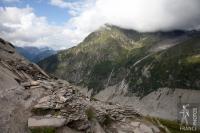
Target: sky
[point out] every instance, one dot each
(61, 24)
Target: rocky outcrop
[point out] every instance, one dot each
(67, 106)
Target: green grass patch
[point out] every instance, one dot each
(94, 99)
(193, 59)
(107, 121)
(90, 112)
(174, 126)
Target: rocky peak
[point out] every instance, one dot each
(107, 32)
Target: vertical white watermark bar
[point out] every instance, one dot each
(188, 116)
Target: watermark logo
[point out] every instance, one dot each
(188, 116)
(185, 114)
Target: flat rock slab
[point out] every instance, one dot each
(36, 122)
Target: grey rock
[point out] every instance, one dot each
(135, 124)
(145, 129)
(45, 122)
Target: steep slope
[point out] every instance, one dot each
(35, 54)
(31, 101)
(146, 61)
(15, 100)
(175, 67)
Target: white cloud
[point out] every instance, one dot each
(74, 7)
(24, 28)
(63, 4)
(141, 15)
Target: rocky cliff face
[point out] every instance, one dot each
(31, 101)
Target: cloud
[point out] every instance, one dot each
(75, 7)
(141, 15)
(22, 27)
(63, 4)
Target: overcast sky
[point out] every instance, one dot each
(64, 23)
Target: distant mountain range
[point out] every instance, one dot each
(35, 54)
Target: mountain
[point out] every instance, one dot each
(145, 61)
(35, 54)
(151, 72)
(33, 102)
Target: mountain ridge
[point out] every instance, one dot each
(120, 51)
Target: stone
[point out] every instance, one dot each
(97, 128)
(26, 84)
(44, 103)
(44, 99)
(27, 96)
(34, 83)
(45, 122)
(135, 124)
(63, 99)
(138, 130)
(155, 129)
(48, 87)
(145, 128)
(58, 106)
(35, 87)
